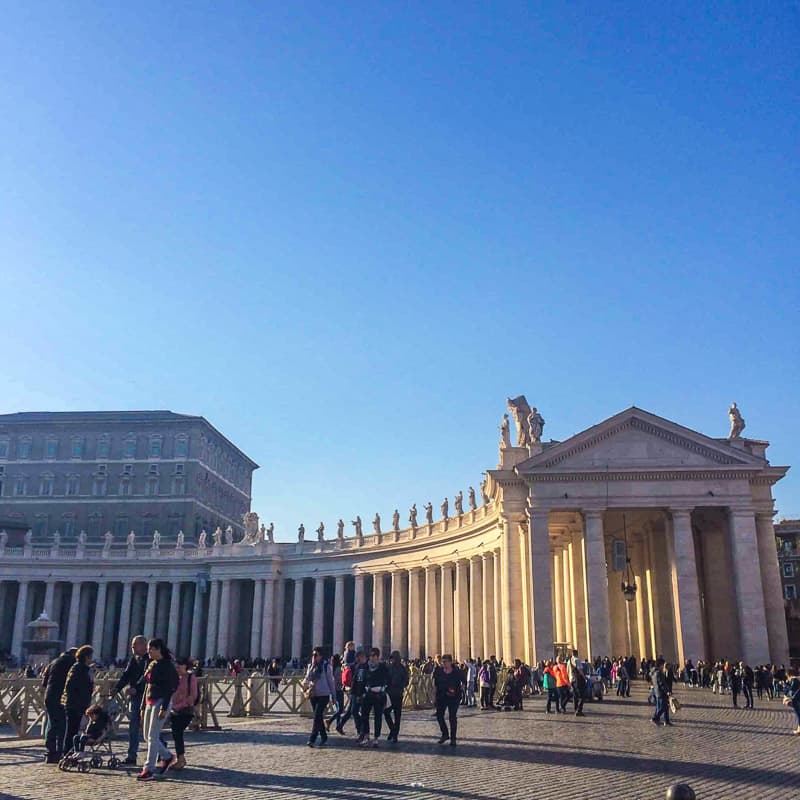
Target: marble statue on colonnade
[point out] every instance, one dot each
(412, 515)
(156, 540)
(396, 521)
(519, 408)
(429, 512)
(250, 521)
(82, 538)
(535, 426)
(179, 541)
(458, 502)
(130, 540)
(28, 537)
(271, 533)
(358, 526)
(471, 498)
(737, 422)
(3, 540)
(340, 530)
(505, 435)
(217, 537)
(108, 540)
(321, 532)
(484, 494)
(201, 540)
(445, 508)
(301, 533)
(57, 539)
(376, 524)
(229, 535)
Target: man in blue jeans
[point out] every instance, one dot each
(133, 677)
(661, 693)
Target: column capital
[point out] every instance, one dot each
(539, 514)
(763, 513)
(415, 570)
(592, 513)
(681, 512)
(741, 511)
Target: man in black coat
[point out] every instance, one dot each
(53, 680)
(133, 677)
(662, 691)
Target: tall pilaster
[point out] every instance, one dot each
(267, 620)
(597, 585)
(447, 620)
(318, 622)
(461, 602)
(255, 625)
(498, 604)
(99, 619)
(213, 620)
(197, 622)
(223, 627)
(358, 609)
(541, 583)
(512, 604)
(49, 593)
(558, 596)
(432, 614)
(773, 589)
(569, 610)
(297, 620)
(414, 612)
(124, 620)
(749, 588)
(338, 614)
(174, 614)
(20, 619)
(378, 612)
(74, 615)
(579, 591)
(487, 604)
(150, 609)
(398, 618)
(475, 611)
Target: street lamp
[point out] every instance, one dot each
(628, 584)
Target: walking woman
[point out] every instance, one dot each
(319, 682)
(448, 681)
(184, 700)
(793, 697)
(336, 669)
(398, 680)
(161, 681)
(77, 695)
(376, 680)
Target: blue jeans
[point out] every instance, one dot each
(662, 709)
(134, 720)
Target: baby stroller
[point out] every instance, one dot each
(510, 697)
(95, 754)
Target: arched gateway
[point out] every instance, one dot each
(636, 499)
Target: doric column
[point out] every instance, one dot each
(475, 602)
(541, 583)
(597, 585)
(378, 612)
(197, 622)
(223, 626)
(213, 621)
(124, 620)
(461, 610)
(569, 608)
(398, 618)
(174, 614)
(414, 609)
(74, 615)
(642, 626)
(749, 588)
(579, 591)
(267, 647)
(99, 619)
(498, 604)
(255, 625)
(685, 588)
(297, 620)
(338, 614)
(358, 610)
(278, 623)
(150, 610)
(446, 627)
(49, 592)
(558, 595)
(512, 602)
(318, 622)
(20, 619)
(487, 604)
(773, 589)
(432, 614)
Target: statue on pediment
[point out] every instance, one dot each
(737, 422)
(471, 498)
(535, 426)
(179, 541)
(301, 533)
(130, 540)
(28, 538)
(484, 494)
(376, 524)
(396, 521)
(201, 540)
(321, 532)
(458, 502)
(217, 537)
(250, 522)
(356, 523)
(340, 530)
(519, 408)
(82, 539)
(505, 433)
(412, 516)
(229, 535)
(108, 538)
(156, 540)
(445, 509)
(271, 533)
(429, 512)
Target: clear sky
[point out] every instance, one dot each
(345, 232)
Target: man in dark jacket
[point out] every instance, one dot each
(77, 694)
(133, 677)
(661, 691)
(55, 676)
(398, 680)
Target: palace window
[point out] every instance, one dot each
(129, 450)
(121, 527)
(179, 469)
(46, 486)
(125, 488)
(181, 447)
(69, 527)
(76, 448)
(99, 487)
(788, 570)
(40, 526)
(178, 486)
(103, 447)
(127, 469)
(3, 448)
(153, 470)
(618, 555)
(73, 485)
(20, 486)
(24, 448)
(155, 447)
(152, 487)
(790, 592)
(51, 448)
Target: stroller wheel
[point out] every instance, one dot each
(113, 762)
(62, 765)
(96, 761)
(83, 766)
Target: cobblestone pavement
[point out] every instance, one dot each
(613, 752)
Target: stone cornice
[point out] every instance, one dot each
(701, 474)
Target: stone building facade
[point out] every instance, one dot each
(787, 533)
(119, 471)
(539, 562)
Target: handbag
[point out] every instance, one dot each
(674, 705)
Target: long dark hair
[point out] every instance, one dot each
(159, 644)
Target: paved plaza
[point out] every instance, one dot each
(613, 752)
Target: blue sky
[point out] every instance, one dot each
(345, 235)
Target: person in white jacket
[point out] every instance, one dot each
(321, 687)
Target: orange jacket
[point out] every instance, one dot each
(562, 679)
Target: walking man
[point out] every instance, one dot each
(662, 694)
(133, 677)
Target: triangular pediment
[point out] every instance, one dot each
(636, 439)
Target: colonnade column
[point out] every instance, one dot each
(174, 614)
(446, 608)
(197, 622)
(498, 605)
(541, 594)
(278, 617)
(596, 585)
(569, 613)
(338, 615)
(461, 611)
(432, 640)
(749, 588)
(398, 619)
(378, 612)
(124, 620)
(513, 624)
(255, 625)
(414, 608)
(318, 620)
(475, 599)
(773, 590)
(223, 627)
(267, 619)
(297, 620)
(213, 620)
(49, 592)
(487, 599)
(20, 619)
(558, 596)
(99, 618)
(150, 609)
(358, 610)
(74, 615)
(579, 591)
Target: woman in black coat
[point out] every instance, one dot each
(77, 696)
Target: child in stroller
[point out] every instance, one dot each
(511, 695)
(97, 737)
